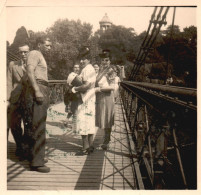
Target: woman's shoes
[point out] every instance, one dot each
(91, 149)
(105, 146)
(83, 152)
(87, 151)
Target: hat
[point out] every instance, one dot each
(84, 52)
(105, 53)
(71, 77)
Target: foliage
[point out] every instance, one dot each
(180, 49)
(21, 37)
(120, 41)
(68, 36)
(174, 52)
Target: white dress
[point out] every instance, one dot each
(85, 116)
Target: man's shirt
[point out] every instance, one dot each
(35, 58)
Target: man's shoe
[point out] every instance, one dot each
(41, 169)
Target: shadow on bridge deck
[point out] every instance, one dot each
(102, 170)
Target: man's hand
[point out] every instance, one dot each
(39, 97)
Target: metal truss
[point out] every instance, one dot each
(156, 119)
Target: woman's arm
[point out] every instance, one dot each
(107, 89)
(84, 87)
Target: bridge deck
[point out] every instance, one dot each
(102, 170)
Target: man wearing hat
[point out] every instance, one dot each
(86, 111)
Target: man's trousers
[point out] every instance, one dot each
(35, 119)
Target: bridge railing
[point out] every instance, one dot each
(163, 124)
(57, 90)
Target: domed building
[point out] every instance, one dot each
(105, 23)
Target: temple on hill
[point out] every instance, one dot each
(105, 23)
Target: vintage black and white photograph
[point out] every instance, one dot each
(101, 97)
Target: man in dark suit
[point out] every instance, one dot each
(15, 79)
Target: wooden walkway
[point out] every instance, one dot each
(102, 170)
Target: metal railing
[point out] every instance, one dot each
(57, 90)
(163, 123)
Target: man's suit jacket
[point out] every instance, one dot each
(14, 81)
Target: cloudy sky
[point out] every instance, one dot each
(40, 18)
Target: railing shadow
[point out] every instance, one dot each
(12, 170)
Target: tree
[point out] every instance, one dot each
(20, 37)
(175, 30)
(68, 37)
(181, 52)
(120, 41)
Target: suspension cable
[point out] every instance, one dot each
(171, 35)
(156, 31)
(146, 45)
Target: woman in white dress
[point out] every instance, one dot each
(85, 117)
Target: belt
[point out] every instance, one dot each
(42, 82)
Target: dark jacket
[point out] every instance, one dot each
(15, 80)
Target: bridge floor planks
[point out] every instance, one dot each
(101, 170)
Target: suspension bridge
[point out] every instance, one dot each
(154, 139)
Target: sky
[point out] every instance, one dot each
(40, 18)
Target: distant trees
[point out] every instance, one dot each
(174, 52)
(68, 36)
(120, 41)
(21, 37)
(123, 43)
(181, 51)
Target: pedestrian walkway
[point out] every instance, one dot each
(102, 170)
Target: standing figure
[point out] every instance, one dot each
(71, 105)
(85, 121)
(37, 102)
(15, 97)
(105, 98)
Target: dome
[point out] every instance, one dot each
(105, 19)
